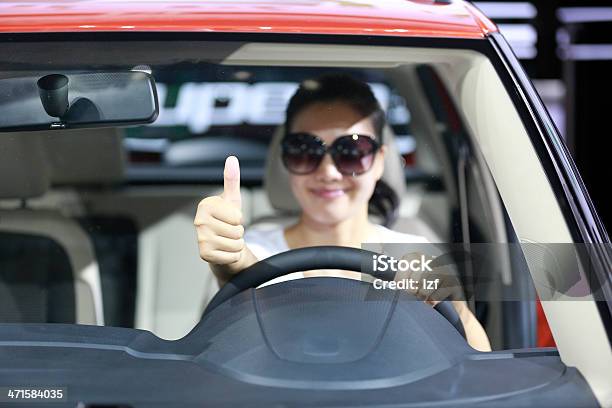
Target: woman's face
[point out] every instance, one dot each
(326, 195)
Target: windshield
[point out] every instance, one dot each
(98, 224)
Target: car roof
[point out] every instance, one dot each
(423, 18)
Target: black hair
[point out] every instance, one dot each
(358, 95)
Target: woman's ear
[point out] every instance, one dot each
(379, 162)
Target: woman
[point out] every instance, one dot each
(334, 152)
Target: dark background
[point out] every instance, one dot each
(566, 48)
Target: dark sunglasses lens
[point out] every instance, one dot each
(302, 153)
(354, 154)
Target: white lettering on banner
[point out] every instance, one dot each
(268, 101)
(202, 105)
(181, 113)
(233, 97)
(196, 105)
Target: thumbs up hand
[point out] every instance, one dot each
(219, 228)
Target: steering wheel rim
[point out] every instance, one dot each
(317, 257)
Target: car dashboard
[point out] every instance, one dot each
(307, 342)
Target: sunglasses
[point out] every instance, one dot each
(302, 153)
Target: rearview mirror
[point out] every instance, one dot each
(77, 100)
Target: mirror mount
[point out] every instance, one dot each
(53, 91)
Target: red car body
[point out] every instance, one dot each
(423, 18)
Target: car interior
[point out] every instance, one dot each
(112, 209)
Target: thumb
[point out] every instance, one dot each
(231, 181)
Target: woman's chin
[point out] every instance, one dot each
(329, 216)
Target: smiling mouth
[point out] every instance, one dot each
(328, 192)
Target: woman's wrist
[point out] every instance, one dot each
(476, 335)
(224, 273)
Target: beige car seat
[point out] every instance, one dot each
(40, 243)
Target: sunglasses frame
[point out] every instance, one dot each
(329, 149)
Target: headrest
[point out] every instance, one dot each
(85, 156)
(276, 181)
(23, 169)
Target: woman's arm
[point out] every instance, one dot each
(474, 332)
(449, 287)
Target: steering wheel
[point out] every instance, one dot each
(318, 257)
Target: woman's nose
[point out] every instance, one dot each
(327, 170)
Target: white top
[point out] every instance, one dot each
(269, 239)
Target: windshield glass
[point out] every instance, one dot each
(97, 225)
